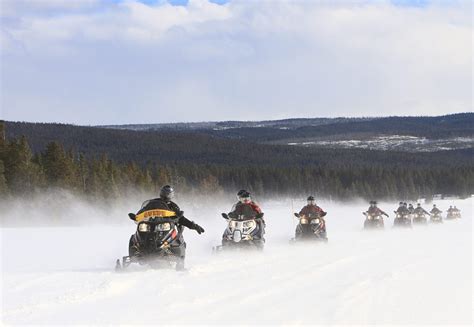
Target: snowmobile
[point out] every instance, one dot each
(436, 218)
(453, 215)
(420, 219)
(310, 227)
(401, 220)
(243, 232)
(373, 221)
(450, 215)
(157, 242)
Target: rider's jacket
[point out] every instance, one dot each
(247, 210)
(163, 204)
(435, 211)
(403, 210)
(310, 210)
(420, 211)
(375, 211)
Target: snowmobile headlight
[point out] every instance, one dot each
(143, 227)
(249, 224)
(303, 221)
(315, 221)
(233, 223)
(162, 227)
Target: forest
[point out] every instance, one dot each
(107, 163)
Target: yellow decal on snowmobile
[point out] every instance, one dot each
(159, 213)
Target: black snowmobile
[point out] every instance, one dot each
(157, 242)
(311, 227)
(243, 232)
(436, 218)
(373, 221)
(402, 220)
(420, 219)
(453, 215)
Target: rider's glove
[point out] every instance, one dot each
(198, 228)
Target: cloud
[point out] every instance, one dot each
(123, 62)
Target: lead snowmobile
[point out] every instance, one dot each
(243, 232)
(157, 242)
(402, 219)
(373, 221)
(310, 227)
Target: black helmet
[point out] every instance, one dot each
(243, 196)
(310, 198)
(167, 192)
(418, 205)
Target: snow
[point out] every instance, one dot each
(396, 142)
(64, 275)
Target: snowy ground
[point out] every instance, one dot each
(64, 275)
(395, 143)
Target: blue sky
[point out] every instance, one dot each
(95, 62)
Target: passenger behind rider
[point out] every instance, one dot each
(402, 209)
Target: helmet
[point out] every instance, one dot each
(400, 204)
(405, 204)
(167, 192)
(450, 207)
(434, 205)
(418, 205)
(243, 196)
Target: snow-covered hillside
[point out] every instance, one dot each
(64, 275)
(395, 143)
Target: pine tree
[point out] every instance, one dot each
(3, 181)
(59, 167)
(21, 173)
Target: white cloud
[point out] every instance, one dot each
(131, 62)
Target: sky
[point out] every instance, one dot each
(93, 62)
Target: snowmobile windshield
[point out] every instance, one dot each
(155, 214)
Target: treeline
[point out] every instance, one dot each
(131, 161)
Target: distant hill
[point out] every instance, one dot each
(461, 124)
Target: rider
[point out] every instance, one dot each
(374, 210)
(435, 210)
(402, 209)
(164, 202)
(420, 211)
(245, 207)
(311, 208)
(411, 209)
(450, 210)
(248, 209)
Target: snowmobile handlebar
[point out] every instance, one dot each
(257, 216)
